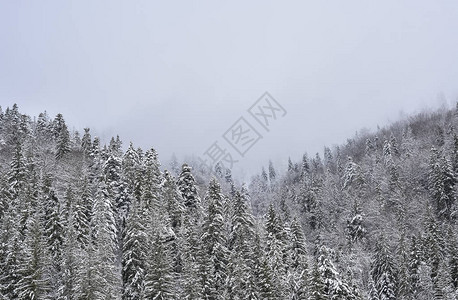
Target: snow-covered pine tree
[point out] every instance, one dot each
(115, 146)
(187, 187)
(159, 282)
(214, 237)
(135, 253)
(353, 175)
(17, 175)
(82, 212)
(317, 286)
(130, 167)
(355, 227)
(10, 255)
(151, 191)
(298, 271)
(383, 272)
(71, 257)
(34, 282)
(414, 263)
(86, 141)
(453, 257)
(172, 200)
(241, 283)
(267, 286)
(275, 240)
(115, 192)
(62, 136)
(333, 285)
(442, 183)
(272, 172)
(102, 276)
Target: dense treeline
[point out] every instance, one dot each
(372, 219)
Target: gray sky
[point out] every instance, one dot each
(177, 74)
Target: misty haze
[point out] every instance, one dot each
(228, 150)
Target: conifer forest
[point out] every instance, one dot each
(374, 218)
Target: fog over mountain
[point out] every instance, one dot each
(177, 75)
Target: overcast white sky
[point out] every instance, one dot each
(176, 74)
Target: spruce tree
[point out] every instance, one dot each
(214, 237)
(276, 249)
(272, 172)
(442, 185)
(453, 257)
(159, 281)
(17, 175)
(333, 286)
(298, 271)
(10, 255)
(86, 142)
(267, 286)
(130, 166)
(34, 282)
(102, 274)
(82, 211)
(353, 175)
(63, 142)
(53, 227)
(414, 267)
(134, 253)
(71, 257)
(317, 286)
(383, 272)
(172, 200)
(241, 283)
(151, 191)
(187, 187)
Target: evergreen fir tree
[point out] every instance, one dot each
(172, 200)
(63, 142)
(135, 251)
(317, 287)
(86, 142)
(383, 272)
(187, 187)
(453, 257)
(34, 281)
(333, 286)
(130, 165)
(355, 228)
(53, 227)
(10, 256)
(213, 237)
(241, 283)
(276, 249)
(71, 257)
(17, 175)
(305, 166)
(158, 282)
(353, 175)
(414, 267)
(442, 184)
(272, 172)
(298, 264)
(115, 146)
(83, 216)
(266, 283)
(102, 276)
(151, 192)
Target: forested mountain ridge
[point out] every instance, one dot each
(372, 219)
